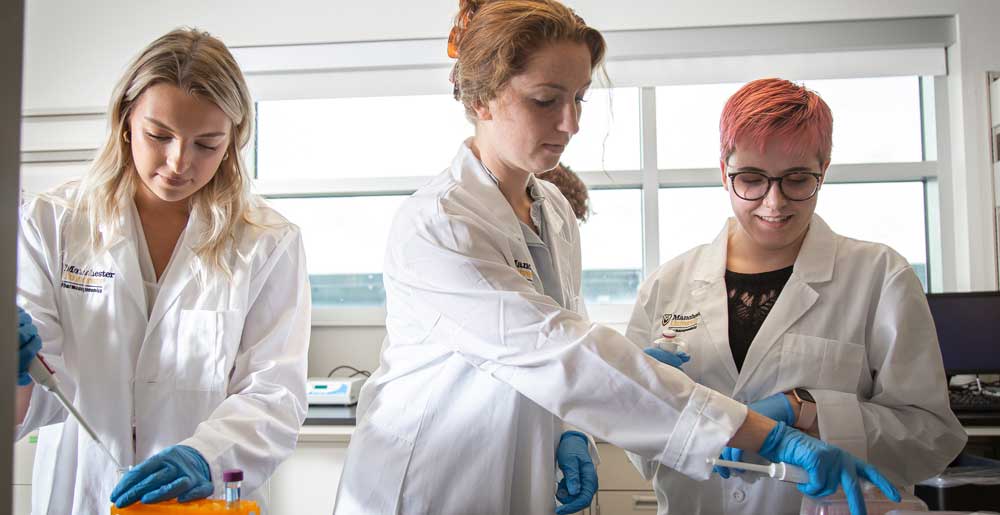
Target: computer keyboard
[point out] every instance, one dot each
(971, 400)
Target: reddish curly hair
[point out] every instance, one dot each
(572, 187)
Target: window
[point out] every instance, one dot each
(339, 151)
(345, 240)
(875, 120)
(358, 137)
(611, 243)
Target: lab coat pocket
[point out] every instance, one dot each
(203, 338)
(813, 362)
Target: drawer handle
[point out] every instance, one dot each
(643, 503)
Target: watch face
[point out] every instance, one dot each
(804, 395)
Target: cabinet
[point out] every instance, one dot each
(306, 483)
(24, 460)
(621, 490)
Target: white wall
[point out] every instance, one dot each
(104, 34)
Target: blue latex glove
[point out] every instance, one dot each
(579, 483)
(827, 465)
(28, 346)
(177, 471)
(667, 357)
(776, 407)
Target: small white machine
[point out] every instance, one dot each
(336, 391)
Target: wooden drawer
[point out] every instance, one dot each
(638, 502)
(616, 472)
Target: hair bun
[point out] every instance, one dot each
(466, 10)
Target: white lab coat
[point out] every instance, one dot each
(851, 325)
(479, 371)
(220, 365)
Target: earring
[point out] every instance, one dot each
(126, 137)
(225, 157)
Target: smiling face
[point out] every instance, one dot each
(534, 117)
(178, 141)
(773, 225)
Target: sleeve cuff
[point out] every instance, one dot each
(706, 425)
(840, 421)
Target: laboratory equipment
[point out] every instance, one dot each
(779, 471)
(42, 374)
(199, 507)
(232, 478)
(875, 503)
(968, 329)
(341, 391)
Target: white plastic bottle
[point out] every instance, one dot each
(671, 342)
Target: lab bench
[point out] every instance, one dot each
(306, 483)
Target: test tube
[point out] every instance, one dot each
(232, 478)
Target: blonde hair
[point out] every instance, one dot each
(492, 41)
(199, 65)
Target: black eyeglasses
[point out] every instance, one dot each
(797, 186)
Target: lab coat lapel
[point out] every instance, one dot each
(559, 244)
(125, 256)
(709, 296)
(814, 264)
(183, 269)
(486, 201)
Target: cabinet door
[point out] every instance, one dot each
(24, 459)
(616, 472)
(306, 483)
(22, 500)
(640, 502)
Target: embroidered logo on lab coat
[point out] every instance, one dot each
(681, 323)
(86, 280)
(525, 270)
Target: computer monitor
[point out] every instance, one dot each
(968, 330)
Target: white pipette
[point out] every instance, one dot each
(42, 374)
(779, 471)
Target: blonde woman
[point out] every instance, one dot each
(172, 304)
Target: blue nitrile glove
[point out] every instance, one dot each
(579, 483)
(776, 407)
(667, 357)
(827, 466)
(28, 345)
(177, 471)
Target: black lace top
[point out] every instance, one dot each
(751, 297)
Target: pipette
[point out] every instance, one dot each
(779, 471)
(40, 371)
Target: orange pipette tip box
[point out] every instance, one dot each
(199, 507)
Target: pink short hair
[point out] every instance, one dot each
(766, 108)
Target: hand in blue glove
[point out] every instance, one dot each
(827, 466)
(177, 471)
(28, 346)
(776, 407)
(674, 360)
(579, 483)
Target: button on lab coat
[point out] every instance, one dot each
(851, 325)
(479, 370)
(219, 365)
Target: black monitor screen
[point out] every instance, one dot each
(968, 329)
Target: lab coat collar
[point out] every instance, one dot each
(472, 174)
(814, 264)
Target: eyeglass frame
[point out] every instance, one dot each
(770, 180)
